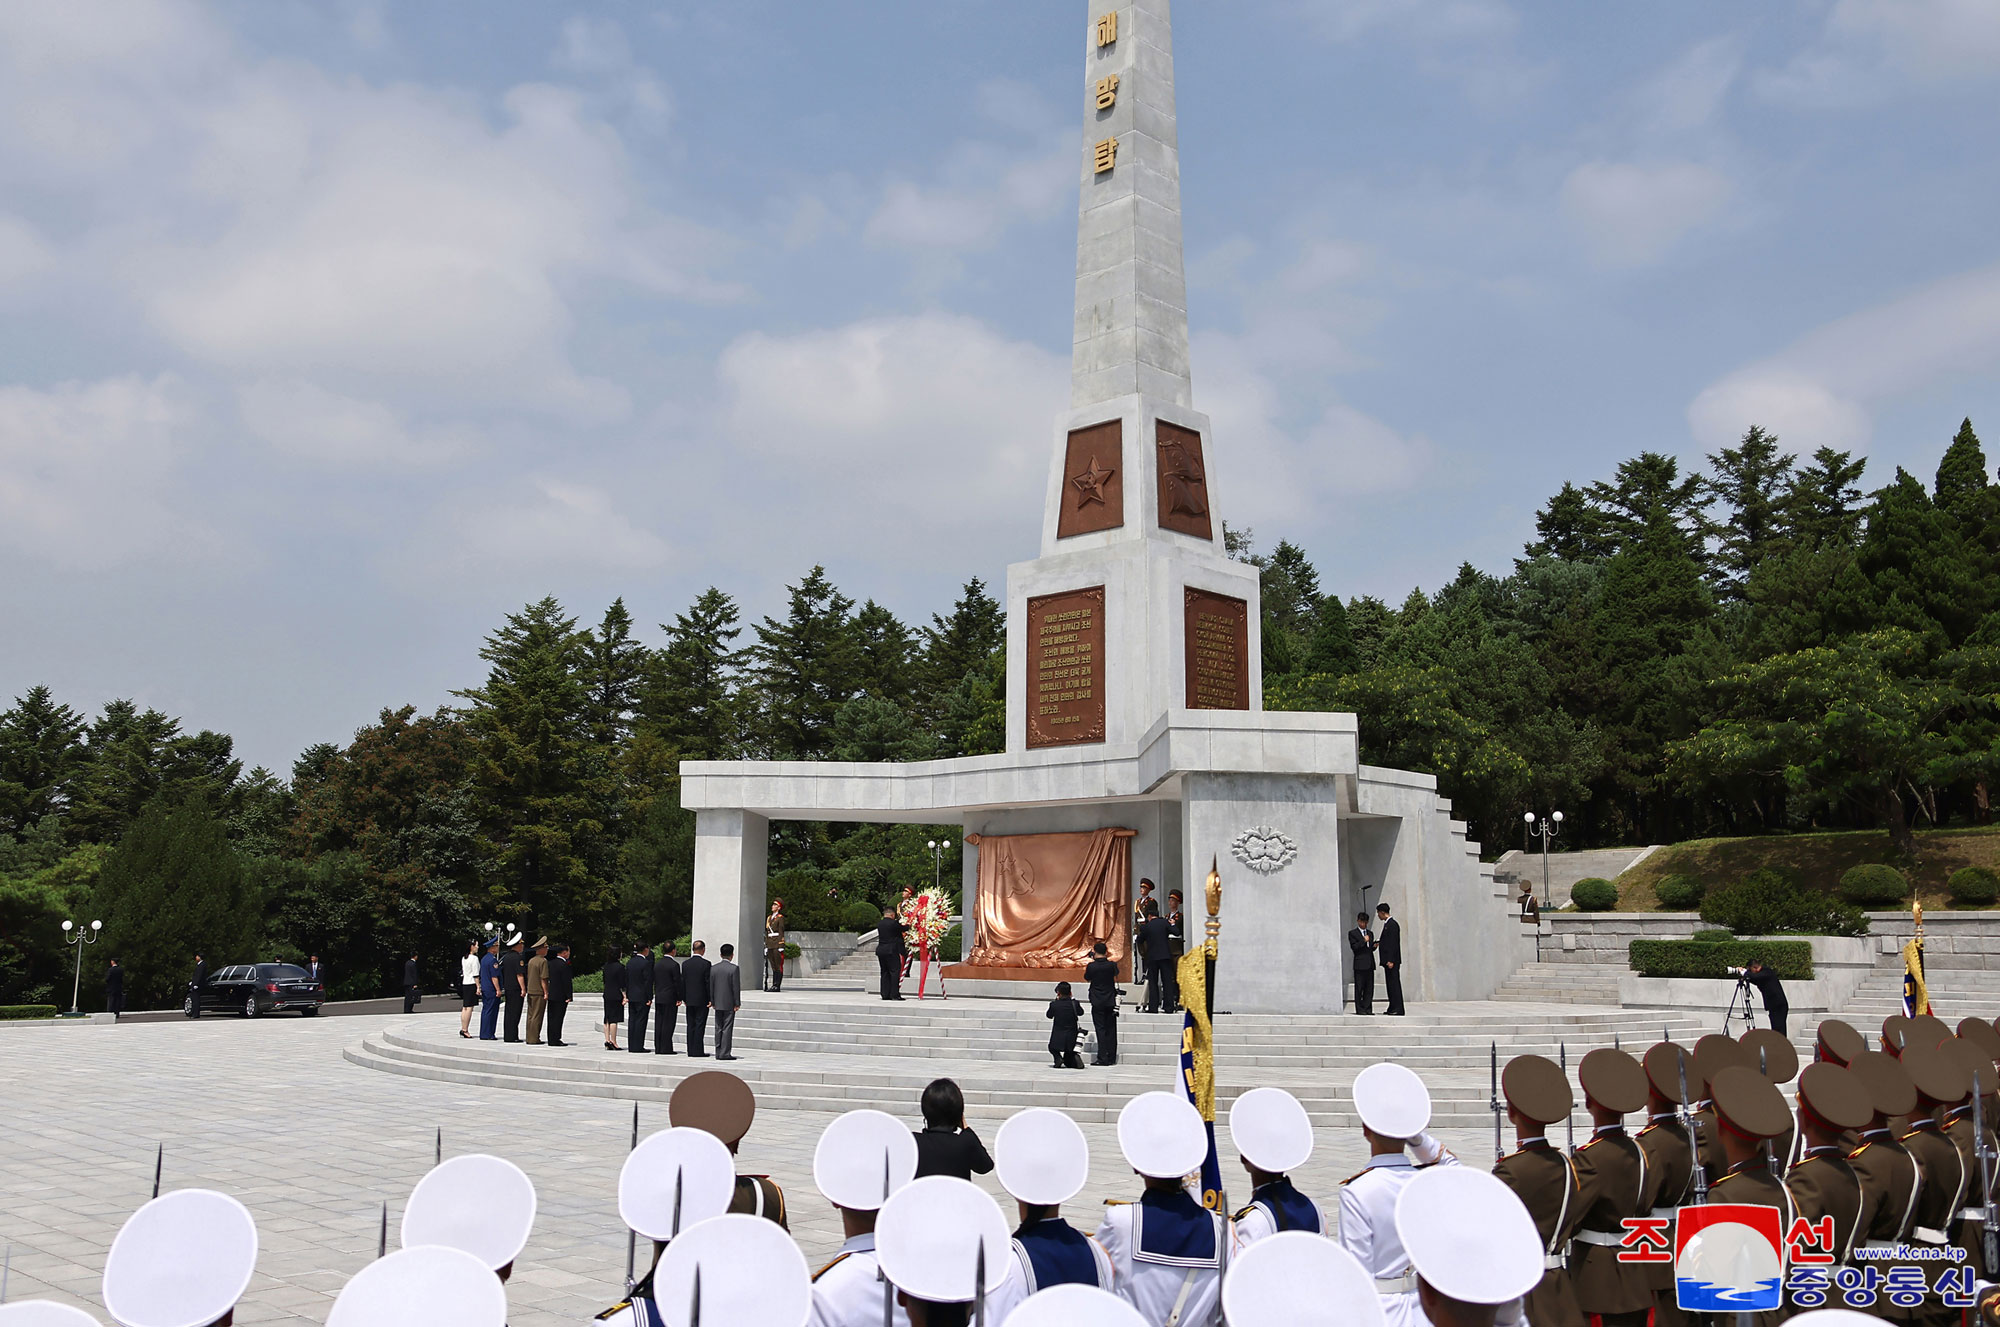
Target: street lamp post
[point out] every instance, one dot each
(79, 936)
(1544, 830)
(937, 862)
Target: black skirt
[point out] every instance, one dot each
(614, 1007)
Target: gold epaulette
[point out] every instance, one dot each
(1646, 1129)
(1356, 1175)
(1247, 1209)
(835, 1263)
(1117, 1202)
(1859, 1150)
(613, 1311)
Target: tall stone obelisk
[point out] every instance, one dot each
(1133, 610)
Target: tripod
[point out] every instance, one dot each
(1739, 1005)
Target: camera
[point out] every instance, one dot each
(1738, 972)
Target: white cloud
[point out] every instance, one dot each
(1817, 391)
(1466, 42)
(987, 191)
(599, 48)
(1869, 49)
(1631, 215)
(306, 420)
(543, 526)
(88, 474)
(1688, 94)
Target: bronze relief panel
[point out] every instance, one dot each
(1066, 668)
(1217, 637)
(1093, 496)
(1183, 481)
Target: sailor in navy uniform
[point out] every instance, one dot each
(1043, 1160)
(862, 1158)
(430, 1285)
(671, 1181)
(1395, 1110)
(1076, 1306)
(742, 1270)
(936, 1236)
(1273, 1135)
(185, 1257)
(482, 1204)
(1291, 1278)
(1475, 1248)
(1166, 1249)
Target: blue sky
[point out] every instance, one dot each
(334, 331)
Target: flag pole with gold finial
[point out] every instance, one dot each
(1916, 994)
(1197, 984)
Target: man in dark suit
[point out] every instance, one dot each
(1361, 943)
(1390, 950)
(562, 989)
(1155, 941)
(668, 992)
(1102, 975)
(114, 990)
(889, 954)
(638, 996)
(315, 969)
(410, 995)
(513, 986)
(200, 983)
(725, 997)
(694, 993)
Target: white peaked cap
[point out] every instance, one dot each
(1162, 1135)
(862, 1154)
(427, 1286)
(1837, 1318)
(1042, 1157)
(482, 1204)
(182, 1260)
(1298, 1279)
(1073, 1306)
(752, 1275)
(1468, 1235)
(1392, 1101)
(696, 1159)
(928, 1237)
(44, 1313)
(1271, 1130)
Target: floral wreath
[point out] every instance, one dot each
(927, 914)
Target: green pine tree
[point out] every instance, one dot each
(40, 749)
(1962, 480)
(1750, 482)
(173, 888)
(803, 670)
(689, 697)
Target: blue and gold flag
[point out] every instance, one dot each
(1198, 1041)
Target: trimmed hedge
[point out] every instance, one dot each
(951, 948)
(1872, 884)
(1714, 934)
(1974, 885)
(1770, 902)
(11, 1012)
(1680, 893)
(1594, 894)
(859, 916)
(1790, 959)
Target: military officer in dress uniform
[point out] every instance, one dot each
(182, 1260)
(429, 1286)
(1772, 1055)
(1293, 1279)
(1395, 1110)
(1941, 1083)
(862, 1158)
(743, 1271)
(1475, 1248)
(1968, 1226)
(1895, 1032)
(1749, 1112)
(1713, 1054)
(482, 1204)
(1888, 1175)
(1837, 1042)
(774, 945)
(1074, 1306)
(1611, 1173)
(1832, 1101)
(44, 1313)
(1669, 1150)
(1538, 1094)
(937, 1237)
(1043, 1161)
(1273, 1135)
(1166, 1249)
(671, 1182)
(720, 1103)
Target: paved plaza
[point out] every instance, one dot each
(271, 1112)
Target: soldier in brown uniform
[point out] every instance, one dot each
(774, 946)
(1832, 1101)
(1771, 1054)
(1611, 1172)
(1669, 1153)
(1713, 1054)
(718, 1102)
(1538, 1094)
(1887, 1173)
(1895, 1032)
(1750, 1112)
(1837, 1042)
(1941, 1083)
(1968, 1224)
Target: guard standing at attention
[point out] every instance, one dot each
(1395, 1110)
(1941, 1083)
(1611, 1172)
(1044, 1161)
(1101, 974)
(1474, 1247)
(1968, 1225)
(862, 1158)
(1750, 1111)
(1669, 1149)
(1274, 1135)
(1538, 1094)
(673, 1180)
(1772, 1056)
(1712, 1054)
(1888, 1174)
(1832, 1101)
(185, 1257)
(774, 946)
(1166, 1249)
(718, 1102)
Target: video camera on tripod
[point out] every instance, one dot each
(1739, 1001)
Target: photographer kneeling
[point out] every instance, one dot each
(1776, 1006)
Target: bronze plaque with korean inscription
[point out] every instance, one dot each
(1093, 496)
(1066, 668)
(1218, 652)
(1183, 481)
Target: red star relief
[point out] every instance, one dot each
(1090, 484)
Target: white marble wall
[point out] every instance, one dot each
(731, 858)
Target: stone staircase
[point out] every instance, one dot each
(1955, 993)
(1563, 983)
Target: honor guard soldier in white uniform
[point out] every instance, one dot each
(741, 1269)
(1273, 1135)
(1475, 1247)
(482, 1204)
(1166, 1249)
(671, 1182)
(1395, 1110)
(48, 1313)
(182, 1260)
(1293, 1279)
(862, 1158)
(427, 1286)
(1043, 1160)
(943, 1245)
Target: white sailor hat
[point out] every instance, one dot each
(1073, 1306)
(182, 1260)
(752, 1275)
(482, 1204)
(44, 1313)
(1042, 1157)
(1299, 1279)
(1468, 1235)
(1271, 1130)
(929, 1235)
(427, 1286)
(692, 1161)
(862, 1158)
(1162, 1135)
(1837, 1318)
(1392, 1101)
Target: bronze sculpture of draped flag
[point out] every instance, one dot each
(1045, 899)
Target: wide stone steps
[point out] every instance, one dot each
(1563, 983)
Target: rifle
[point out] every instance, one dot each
(888, 1291)
(1569, 1120)
(1694, 1134)
(1990, 1223)
(632, 1236)
(1493, 1099)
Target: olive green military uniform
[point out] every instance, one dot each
(1612, 1175)
(1753, 1183)
(1545, 1181)
(759, 1195)
(1670, 1179)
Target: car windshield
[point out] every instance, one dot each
(281, 972)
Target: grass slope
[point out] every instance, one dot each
(1818, 859)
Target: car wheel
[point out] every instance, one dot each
(250, 1006)
(310, 1011)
